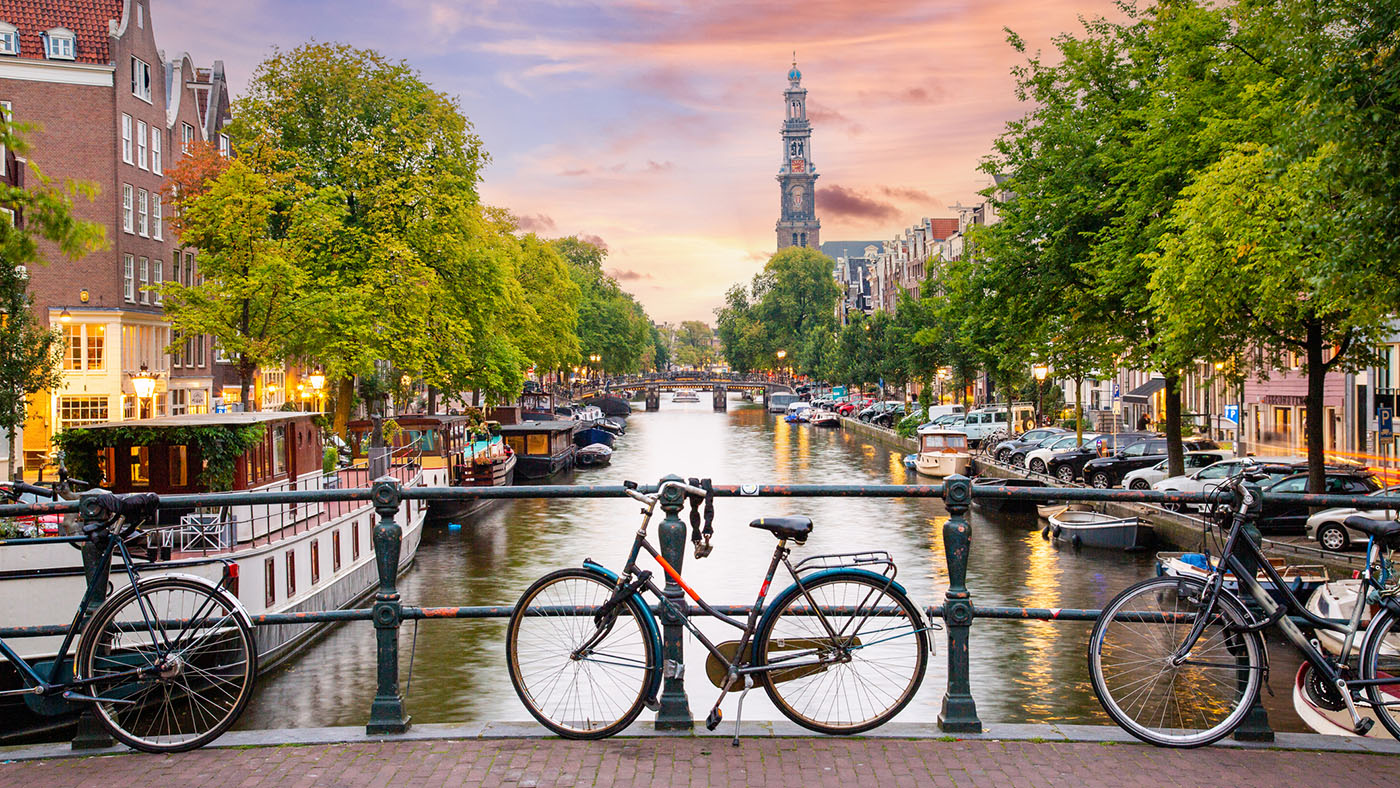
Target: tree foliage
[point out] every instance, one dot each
(789, 303)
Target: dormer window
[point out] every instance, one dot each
(60, 44)
(9, 39)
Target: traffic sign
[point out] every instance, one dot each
(1385, 422)
(1232, 412)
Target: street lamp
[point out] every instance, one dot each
(144, 384)
(1040, 370)
(318, 382)
(782, 354)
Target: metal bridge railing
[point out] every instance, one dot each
(388, 611)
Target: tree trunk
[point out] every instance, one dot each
(1078, 410)
(1317, 379)
(432, 400)
(1176, 462)
(16, 469)
(344, 395)
(245, 385)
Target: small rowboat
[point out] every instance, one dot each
(1096, 529)
(1302, 581)
(1336, 600)
(824, 418)
(594, 456)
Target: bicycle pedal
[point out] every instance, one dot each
(713, 719)
(1363, 727)
(70, 695)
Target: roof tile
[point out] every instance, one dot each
(86, 18)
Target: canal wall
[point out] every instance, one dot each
(880, 434)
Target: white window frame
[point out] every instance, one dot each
(141, 131)
(6, 114)
(157, 277)
(9, 39)
(157, 218)
(128, 208)
(143, 217)
(224, 146)
(141, 79)
(186, 137)
(60, 43)
(145, 269)
(129, 279)
(156, 134)
(126, 139)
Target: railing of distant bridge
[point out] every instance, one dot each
(388, 712)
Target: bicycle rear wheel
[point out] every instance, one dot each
(1191, 704)
(1380, 658)
(174, 663)
(857, 679)
(581, 678)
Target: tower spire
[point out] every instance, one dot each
(797, 221)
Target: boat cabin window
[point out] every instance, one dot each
(140, 466)
(279, 450)
(537, 444)
(179, 466)
(936, 442)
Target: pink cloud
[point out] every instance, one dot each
(842, 203)
(539, 224)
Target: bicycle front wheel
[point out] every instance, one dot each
(1380, 659)
(856, 660)
(1156, 697)
(173, 661)
(581, 677)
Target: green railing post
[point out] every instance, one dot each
(90, 735)
(959, 712)
(675, 707)
(386, 713)
(1255, 726)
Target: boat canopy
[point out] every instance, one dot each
(942, 440)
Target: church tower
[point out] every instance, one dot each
(797, 178)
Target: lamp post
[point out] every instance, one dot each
(318, 382)
(1210, 397)
(144, 384)
(782, 354)
(1040, 370)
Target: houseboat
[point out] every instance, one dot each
(542, 448)
(942, 452)
(288, 558)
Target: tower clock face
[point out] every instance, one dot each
(797, 197)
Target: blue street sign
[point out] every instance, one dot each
(1385, 422)
(1232, 412)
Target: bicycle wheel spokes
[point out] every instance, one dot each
(176, 665)
(857, 678)
(1152, 694)
(580, 678)
(1381, 661)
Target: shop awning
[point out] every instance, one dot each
(1140, 394)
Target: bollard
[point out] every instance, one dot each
(90, 735)
(386, 713)
(675, 706)
(1255, 726)
(959, 712)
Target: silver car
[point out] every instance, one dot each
(1328, 529)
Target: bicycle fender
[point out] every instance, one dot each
(648, 620)
(771, 610)
(214, 587)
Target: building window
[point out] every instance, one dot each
(126, 139)
(145, 280)
(156, 134)
(140, 465)
(199, 345)
(6, 115)
(140, 79)
(186, 136)
(179, 404)
(60, 44)
(129, 278)
(143, 217)
(223, 145)
(157, 276)
(81, 411)
(189, 351)
(175, 266)
(189, 269)
(141, 136)
(157, 220)
(73, 338)
(9, 39)
(177, 356)
(128, 211)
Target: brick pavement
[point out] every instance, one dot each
(688, 761)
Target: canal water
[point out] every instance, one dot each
(454, 671)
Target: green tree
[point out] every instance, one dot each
(693, 344)
(30, 352)
(611, 323)
(788, 303)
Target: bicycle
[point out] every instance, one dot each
(1179, 662)
(840, 651)
(167, 663)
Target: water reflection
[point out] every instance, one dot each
(455, 672)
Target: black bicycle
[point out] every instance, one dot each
(1178, 662)
(168, 662)
(841, 650)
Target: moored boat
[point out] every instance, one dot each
(824, 418)
(542, 448)
(1096, 529)
(590, 433)
(594, 456)
(1302, 581)
(942, 453)
(1336, 600)
(1323, 709)
(685, 395)
(1007, 505)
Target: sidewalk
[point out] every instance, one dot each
(430, 755)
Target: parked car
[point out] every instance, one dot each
(1007, 449)
(1038, 458)
(1211, 476)
(1328, 529)
(1106, 472)
(1143, 478)
(1068, 465)
(889, 416)
(845, 408)
(1286, 517)
(949, 421)
(871, 412)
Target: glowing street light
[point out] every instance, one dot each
(144, 384)
(1041, 371)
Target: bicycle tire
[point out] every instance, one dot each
(1116, 637)
(541, 640)
(209, 674)
(1380, 656)
(889, 647)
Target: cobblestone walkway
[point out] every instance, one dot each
(809, 763)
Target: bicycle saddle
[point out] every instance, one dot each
(785, 527)
(1381, 529)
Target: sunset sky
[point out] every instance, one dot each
(653, 124)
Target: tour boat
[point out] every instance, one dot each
(1335, 600)
(542, 448)
(594, 456)
(942, 453)
(286, 558)
(1096, 529)
(1302, 581)
(1326, 713)
(685, 395)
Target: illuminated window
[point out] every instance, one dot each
(85, 346)
(80, 411)
(179, 466)
(140, 466)
(73, 338)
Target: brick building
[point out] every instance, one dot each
(107, 108)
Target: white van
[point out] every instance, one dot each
(984, 421)
(934, 411)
